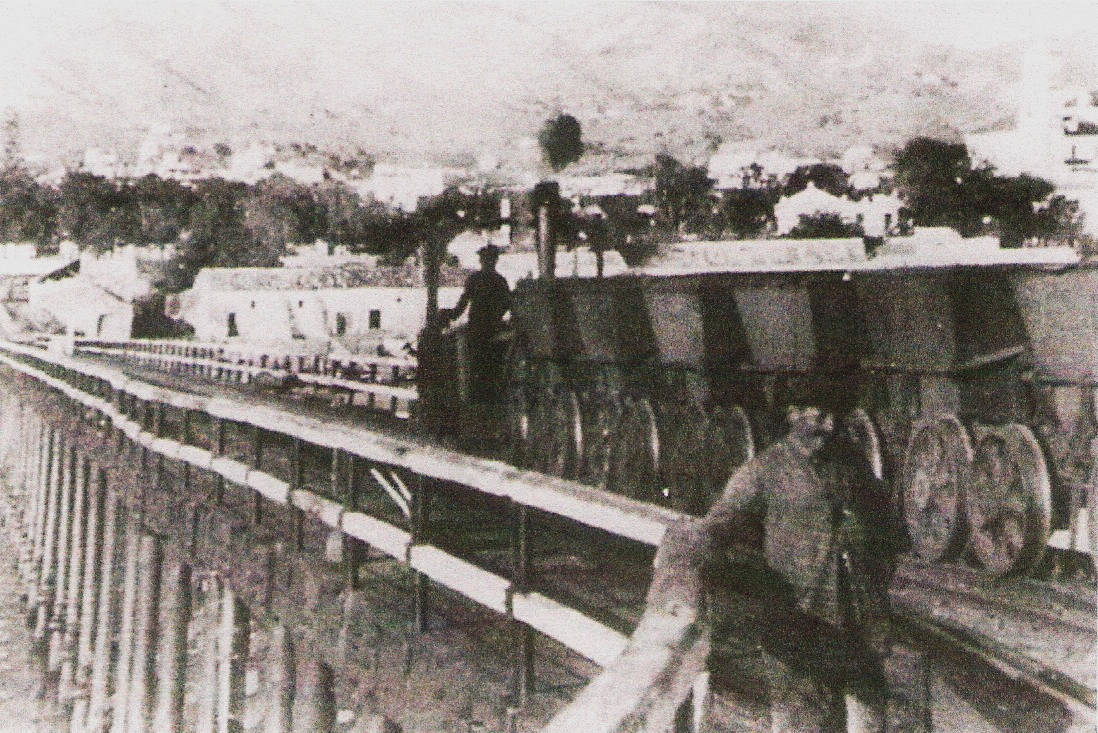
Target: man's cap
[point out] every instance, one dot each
(490, 250)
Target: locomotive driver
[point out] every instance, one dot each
(824, 637)
(488, 298)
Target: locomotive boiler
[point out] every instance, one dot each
(965, 375)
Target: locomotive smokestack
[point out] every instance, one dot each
(546, 200)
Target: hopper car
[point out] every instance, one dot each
(968, 383)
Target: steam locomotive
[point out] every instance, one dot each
(966, 376)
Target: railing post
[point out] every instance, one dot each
(217, 449)
(59, 588)
(257, 464)
(296, 480)
(523, 635)
(421, 499)
(46, 576)
(47, 469)
(94, 556)
(208, 687)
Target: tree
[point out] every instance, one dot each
(929, 176)
(941, 188)
(97, 212)
(164, 205)
(217, 237)
(824, 225)
(1059, 221)
(280, 211)
(28, 210)
(561, 141)
(684, 197)
(825, 176)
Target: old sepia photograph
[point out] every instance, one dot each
(548, 367)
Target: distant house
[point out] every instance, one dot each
(877, 214)
(350, 306)
(727, 165)
(89, 295)
(609, 184)
(74, 304)
(402, 187)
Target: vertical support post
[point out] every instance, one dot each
(65, 533)
(208, 688)
(77, 569)
(186, 434)
(96, 554)
(106, 612)
(126, 633)
(280, 670)
(421, 498)
(44, 526)
(145, 632)
(233, 637)
(217, 449)
(523, 634)
(34, 448)
(47, 573)
(314, 700)
(700, 703)
(171, 656)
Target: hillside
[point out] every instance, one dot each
(448, 82)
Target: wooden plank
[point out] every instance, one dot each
(597, 642)
(487, 589)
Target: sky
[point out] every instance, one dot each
(462, 79)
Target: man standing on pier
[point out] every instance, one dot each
(825, 631)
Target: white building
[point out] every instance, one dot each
(728, 163)
(401, 187)
(877, 214)
(609, 184)
(351, 306)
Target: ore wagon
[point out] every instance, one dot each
(966, 377)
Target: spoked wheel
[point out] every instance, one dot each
(729, 443)
(635, 453)
(560, 440)
(519, 407)
(1009, 500)
(518, 426)
(602, 415)
(866, 438)
(936, 470)
(685, 478)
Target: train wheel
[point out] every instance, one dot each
(635, 454)
(936, 470)
(518, 427)
(603, 415)
(560, 443)
(865, 436)
(1010, 500)
(730, 443)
